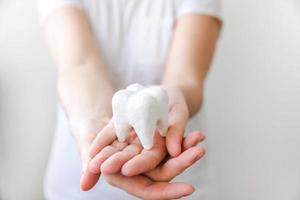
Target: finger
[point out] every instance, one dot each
(192, 139)
(116, 161)
(173, 140)
(144, 188)
(105, 153)
(177, 165)
(177, 123)
(88, 180)
(105, 137)
(147, 159)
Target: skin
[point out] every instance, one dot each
(155, 184)
(85, 91)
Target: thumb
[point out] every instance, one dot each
(178, 118)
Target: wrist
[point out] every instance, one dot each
(86, 98)
(191, 94)
(175, 92)
(83, 127)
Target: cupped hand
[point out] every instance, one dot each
(127, 157)
(106, 145)
(155, 184)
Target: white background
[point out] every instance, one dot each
(251, 112)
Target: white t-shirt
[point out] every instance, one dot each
(134, 38)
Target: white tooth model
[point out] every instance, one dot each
(142, 108)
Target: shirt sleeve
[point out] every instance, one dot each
(207, 7)
(47, 7)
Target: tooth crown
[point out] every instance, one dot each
(142, 108)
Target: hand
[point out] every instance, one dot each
(105, 147)
(84, 133)
(129, 157)
(155, 184)
(134, 159)
(178, 118)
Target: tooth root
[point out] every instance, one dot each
(119, 114)
(162, 109)
(122, 129)
(145, 132)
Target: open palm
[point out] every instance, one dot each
(128, 158)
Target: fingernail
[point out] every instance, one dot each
(201, 155)
(193, 190)
(202, 138)
(198, 157)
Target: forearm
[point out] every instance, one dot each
(192, 94)
(84, 86)
(85, 94)
(190, 56)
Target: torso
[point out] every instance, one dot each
(133, 36)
